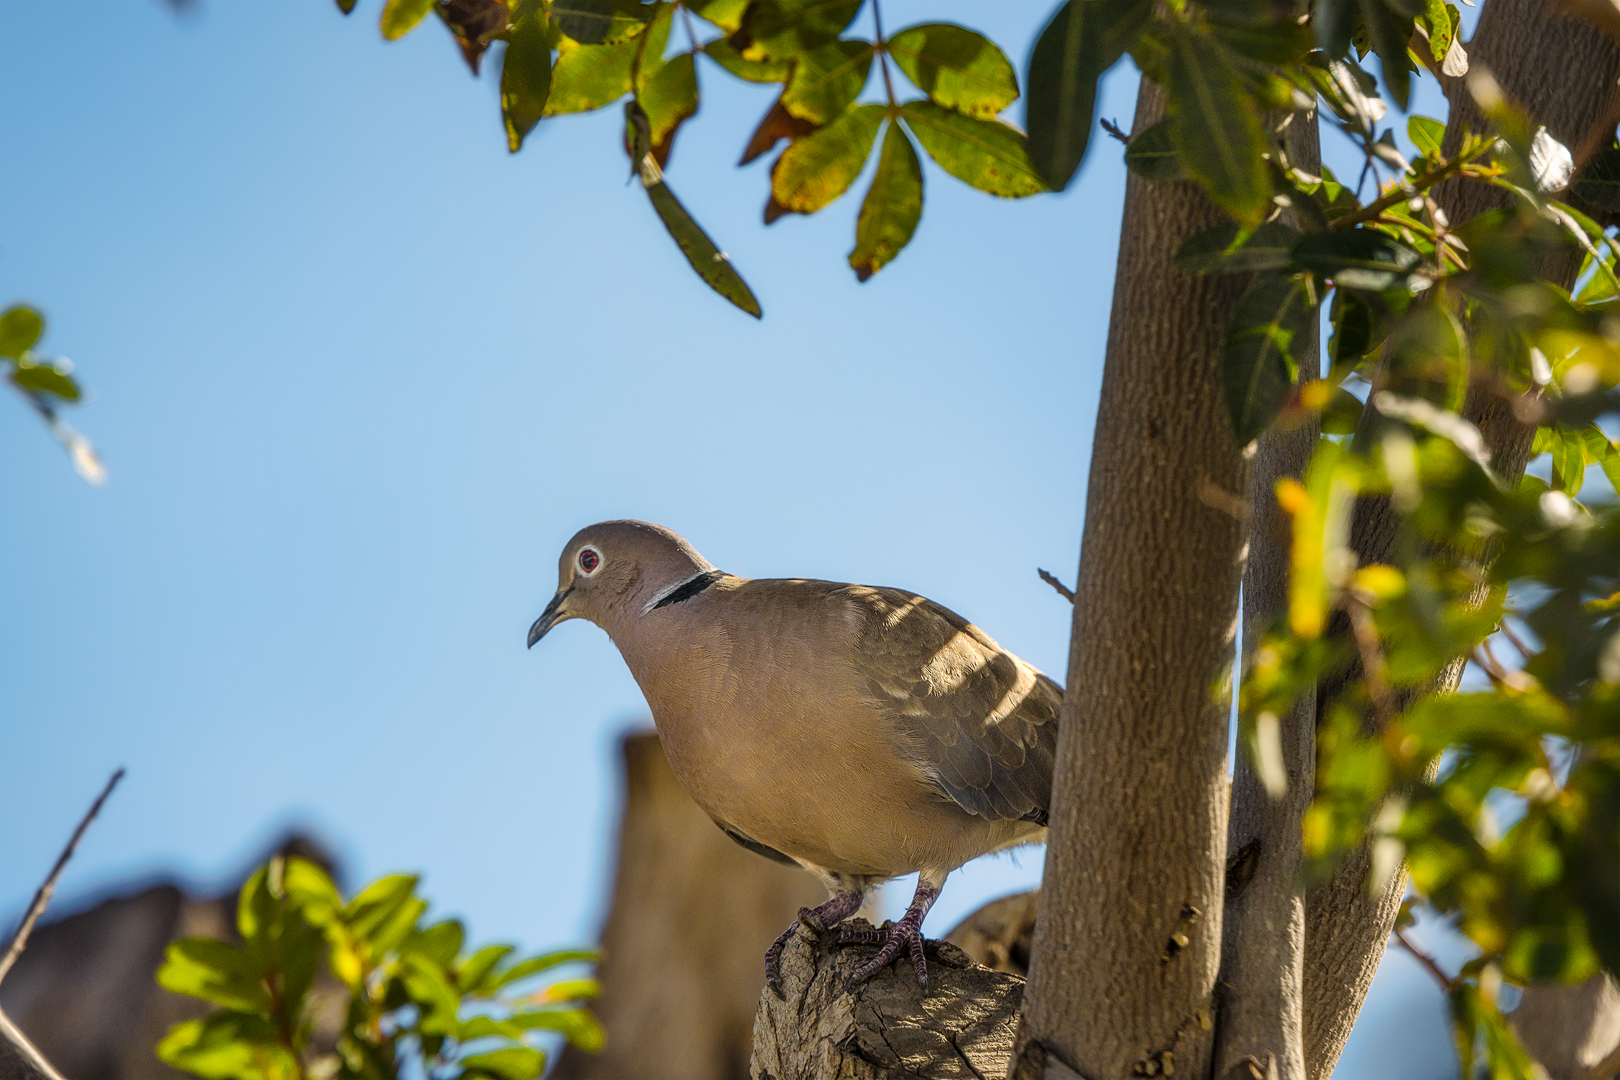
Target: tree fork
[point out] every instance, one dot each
(1564, 72)
(1127, 944)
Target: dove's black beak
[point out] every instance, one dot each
(549, 617)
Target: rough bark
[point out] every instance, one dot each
(1563, 72)
(1263, 928)
(1128, 943)
(684, 942)
(1573, 1029)
(885, 1029)
(1000, 934)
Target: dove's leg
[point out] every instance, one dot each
(840, 907)
(905, 934)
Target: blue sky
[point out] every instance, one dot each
(357, 373)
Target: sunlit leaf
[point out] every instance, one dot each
(709, 261)
(726, 14)
(722, 52)
(1258, 367)
(1217, 129)
(509, 1063)
(439, 943)
(816, 169)
(400, 17)
(228, 1046)
(472, 971)
(987, 154)
(215, 972)
(533, 965)
(1231, 249)
(956, 68)
(21, 327)
(892, 206)
(669, 98)
(525, 79)
(1389, 29)
(577, 1025)
(1426, 134)
(1083, 39)
(1152, 154)
(827, 81)
(601, 22)
(590, 76)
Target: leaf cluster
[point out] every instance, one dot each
(412, 1001)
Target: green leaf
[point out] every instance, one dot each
(1352, 330)
(788, 29)
(601, 22)
(472, 972)
(346, 6)
(1342, 413)
(1281, 41)
(439, 943)
(1335, 24)
(1426, 134)
(815, 170)
(1232, 249)
(1152, 154)
(669, 98)
(956, 68)
(726, 14)
(385, 912)
(228, 1046)
(40, 376)
(827, 81)
(215, 972)
(1217, 127)
(399, 17)
(1389, 29)
(1083, 39)
(510, 1063)
(1603, 452)
(525, 79)
(1258, 368)
(988, 154)
(892, 206)
(722, 52)
(1357, 258)
(709, 261)
(21, 327)
(1569, 462)
(1599, 180)
(534, 965)
(590, 76)
(1436, 19)
(424, 981)
(577, 1025)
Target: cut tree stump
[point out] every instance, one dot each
(886, 1029)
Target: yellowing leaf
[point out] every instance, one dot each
(892, 207)
(826, 82)
(590, 76)
(956, 68)
(399, 17)
(816, 169)
(988, 154)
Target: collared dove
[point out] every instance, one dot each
(861, 733)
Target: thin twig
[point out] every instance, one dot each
(1372, 660)
(1425, 959)
(883, 53)
(1114, 130)
(1051, 579)
(1507, 632)
(19, 940)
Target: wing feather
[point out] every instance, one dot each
(981, 722)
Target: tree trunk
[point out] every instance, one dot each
(1573, 1029)
(1261, 1011)
(684, 944)
(1128, 940)
(1564, 73)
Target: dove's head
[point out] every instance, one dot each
(618, 570)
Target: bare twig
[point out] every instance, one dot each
(1051, 579)
(1507, 632)
(20, 939)
(1114, 130)
(1425, 959)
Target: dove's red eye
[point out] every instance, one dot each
(589, 560)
